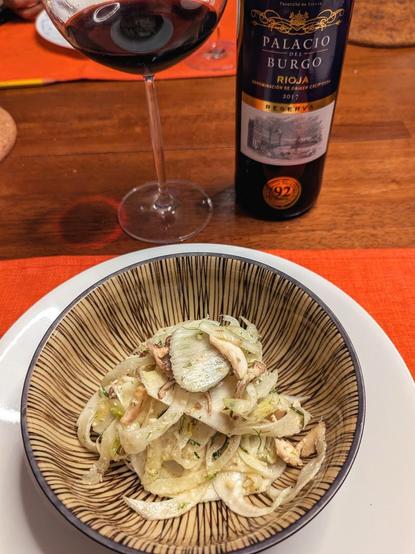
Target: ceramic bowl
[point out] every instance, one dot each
(301, 337)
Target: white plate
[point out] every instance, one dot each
(371, 514)
(47, 30)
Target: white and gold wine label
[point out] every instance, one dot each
(282, 138)
(291, 55)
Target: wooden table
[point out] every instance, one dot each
(82, 145)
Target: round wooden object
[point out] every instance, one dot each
(387, 23)
(8, 133)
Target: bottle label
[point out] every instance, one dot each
(281, 192)
(292, 53)
(279, 138)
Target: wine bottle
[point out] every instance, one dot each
(290, 56)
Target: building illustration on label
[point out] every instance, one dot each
(297, 23)
(286, 138)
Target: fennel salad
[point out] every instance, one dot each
(198, 416)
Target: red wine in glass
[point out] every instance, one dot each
(142, 36)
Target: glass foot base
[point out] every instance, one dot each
(185, 212)
(216, 56)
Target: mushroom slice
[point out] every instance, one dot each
(135, 406)
(287, 452)
(165, 388)
(307, 445)
(160, 355)
(257, 369)
(232, 353)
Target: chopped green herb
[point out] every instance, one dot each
(299, 412)
(197, 455)
(230, 403)
(115, 447)
(210, 476)
(193, 442)
(190, 425)
(221, 450)
(117, 411)
(183, 505)
(244, 449)
(148, 435)
(259, 436)
(103, 392)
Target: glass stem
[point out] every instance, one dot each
(216, 51)
(164, 201)
(217, 37)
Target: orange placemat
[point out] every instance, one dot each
(382, 281)
(27, 59)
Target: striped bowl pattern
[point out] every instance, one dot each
(301, 338)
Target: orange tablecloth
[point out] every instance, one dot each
(382, 281)
(25, 56)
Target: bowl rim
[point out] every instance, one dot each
(250, 549)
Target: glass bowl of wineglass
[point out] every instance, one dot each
(217, 55)
(144, 37)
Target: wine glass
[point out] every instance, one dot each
(217, 55)
(143, 37)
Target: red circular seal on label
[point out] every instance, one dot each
(281, 192)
